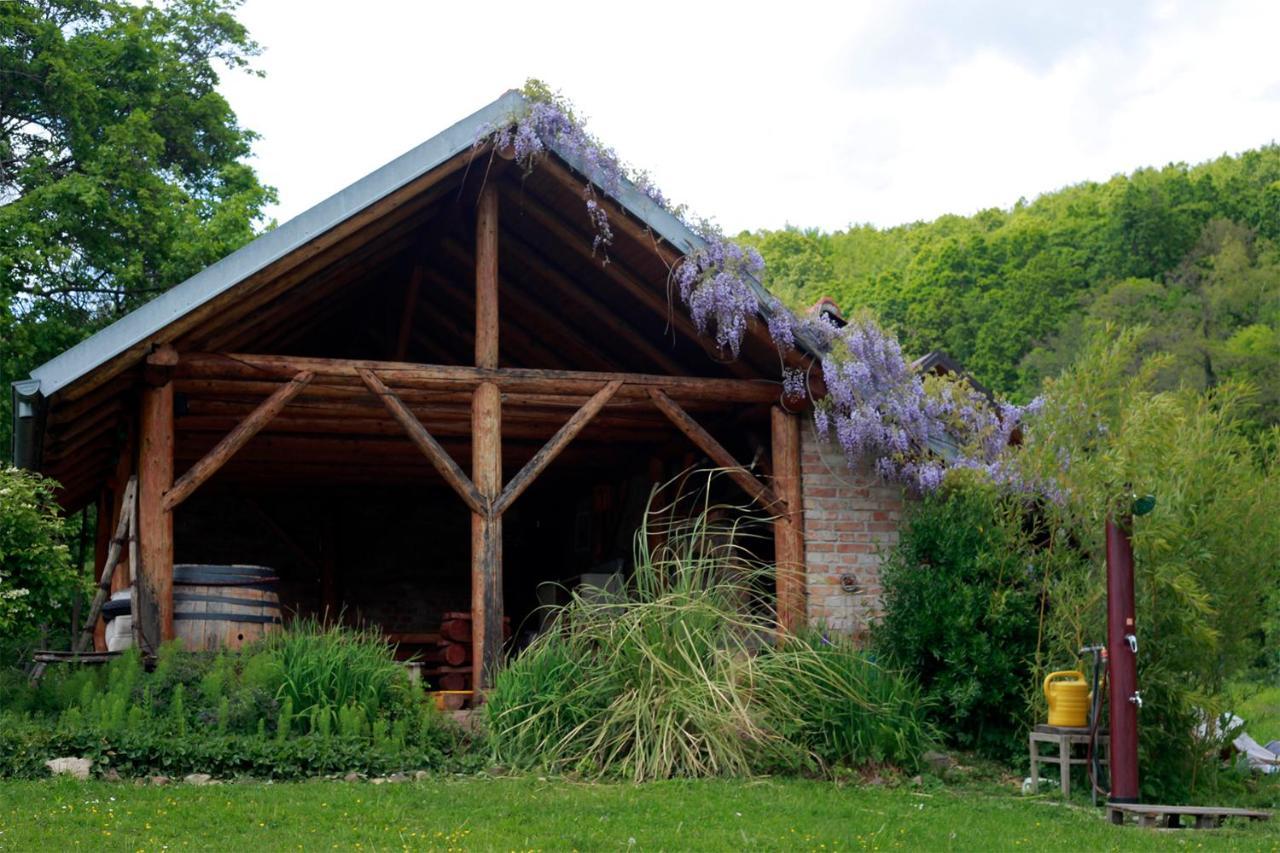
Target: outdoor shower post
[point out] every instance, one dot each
(1122, 648)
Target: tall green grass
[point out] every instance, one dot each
(682, 678)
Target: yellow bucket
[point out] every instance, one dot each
(1068, 695)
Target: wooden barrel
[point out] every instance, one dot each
(223, 606)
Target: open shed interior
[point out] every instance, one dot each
(395, 380)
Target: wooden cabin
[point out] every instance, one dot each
(428, 394)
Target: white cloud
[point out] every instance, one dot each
(763, 114)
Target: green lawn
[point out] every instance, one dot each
(529, 814)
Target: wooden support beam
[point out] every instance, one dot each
(788, 527)
(153, 582)
(721, 457)
(437, 455)
(487, 278)
(331, 372)
(407, 311)
(236, 439)
(486, 537)
(551, 450)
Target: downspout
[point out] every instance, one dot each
(29, 410)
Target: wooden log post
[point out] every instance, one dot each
(486, 456)
(788, 526)
(154, 577)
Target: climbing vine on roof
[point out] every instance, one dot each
(914, 428)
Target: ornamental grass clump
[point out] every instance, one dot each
(679, 677)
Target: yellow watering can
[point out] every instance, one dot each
(1068, 695)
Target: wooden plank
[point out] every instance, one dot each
(719, 455)
(487, 278)
(788, 527)
(509, 379)
(436, 455)
(154, 578)
(234, 440)
(486, 536)
(552, 448)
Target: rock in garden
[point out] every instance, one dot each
(198, 779)
(159, 780)
(111, 775)
(939, 762)
(75, 767)
(420, 775)
(351, 777)
(398, 777)
(379, 780)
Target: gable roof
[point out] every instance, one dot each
(120, 343)
(154, 316)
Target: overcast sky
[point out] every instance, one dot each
(781, 112)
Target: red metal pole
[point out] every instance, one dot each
(1122, 646)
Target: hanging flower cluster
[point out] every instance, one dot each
(914, 427)
(877, 408)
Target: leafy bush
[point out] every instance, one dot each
(961, 614)
(37, 578)
(679, 679)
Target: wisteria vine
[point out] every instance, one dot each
(915, 428)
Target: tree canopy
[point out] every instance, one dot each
(122, 169)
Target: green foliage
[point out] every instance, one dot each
(962, 600)
(37, 578)
(678, 679)
(1207, 559)
(124, 168)
(212, 713)
(321, 671)
(1015, 294)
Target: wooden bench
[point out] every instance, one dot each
(1170, 817)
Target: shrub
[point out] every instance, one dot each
(961, 614)
(679, 678)
(37, 578)
(1206, 560)
(233, 713)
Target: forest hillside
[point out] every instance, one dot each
(1191, 253)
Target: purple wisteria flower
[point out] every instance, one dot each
(914, 428)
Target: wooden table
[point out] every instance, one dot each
(1066, 739)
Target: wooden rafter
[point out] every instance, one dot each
(622, 220)
(558, 442)
(407, 311)
(596, 311)
(719, 455)
(436, 455)
(234, 440)
(548, 319)
(657, 302)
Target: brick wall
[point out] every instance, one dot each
(850, 520)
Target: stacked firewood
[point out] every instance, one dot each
(453, 652)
